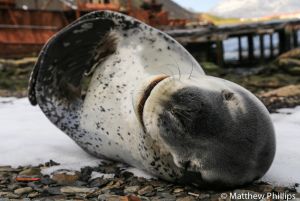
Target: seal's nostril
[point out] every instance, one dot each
(227, 95)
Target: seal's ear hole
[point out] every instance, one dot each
(227, 95)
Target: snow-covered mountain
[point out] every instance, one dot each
(254, 8)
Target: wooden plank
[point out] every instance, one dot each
(220, 53)
(271, 46)
(262, 47)
(240, 49)
(250, 47)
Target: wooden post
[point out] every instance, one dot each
(289, 35)
(285, 37)
(262, 47)
(271, 46)
(220, 53)
(250, 48)
(240, 49)
(282, 42)
(295, 38)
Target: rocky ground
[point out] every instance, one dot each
(277, 85)
(113, 184)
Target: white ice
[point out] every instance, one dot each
(28, 138)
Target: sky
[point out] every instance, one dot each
(198, 5)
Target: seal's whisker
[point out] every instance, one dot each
(191, 70)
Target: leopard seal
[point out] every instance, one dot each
(149, 104)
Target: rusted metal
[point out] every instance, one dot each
(25, 28)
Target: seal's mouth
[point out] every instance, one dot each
(146, 95)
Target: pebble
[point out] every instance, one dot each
(21, 191)
(178, 190)
(188, 198)
(7, 169)
(53, 191)
(98, 182)
(146, 190)
(9, 195)
(33, 195)
(46, 180)
(65, 178)
(131, 189)
(74, 190)
(31, 172)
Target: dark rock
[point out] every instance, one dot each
(127, 175)
(51, 163)
(98, 182)
(86, 173)
(53, 191)
(46, 180)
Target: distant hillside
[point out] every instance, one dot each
(176, 11)
(254, 8)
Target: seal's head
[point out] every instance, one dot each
(217, 132)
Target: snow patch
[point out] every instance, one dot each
(95, 175)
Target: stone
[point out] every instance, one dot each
(265, 188)
(33, 195)
(13, 186)
(21, 191)
(31, 172)
(178, 190)
(86, 173)
(106, 197)
(65, 177)
(98, 182)
(146, 190)
(9, 195)
(166, 196)
(53, 191)
(51, 163)
(74, 190)
(7, 169)
(188, 198)
(279, 189)
(131, 189)
(112, 185)
(203, 196)
(46, 180)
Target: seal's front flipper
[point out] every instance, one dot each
(68, 55)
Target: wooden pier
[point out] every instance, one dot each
(207, 43)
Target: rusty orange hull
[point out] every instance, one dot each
(23, 33)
